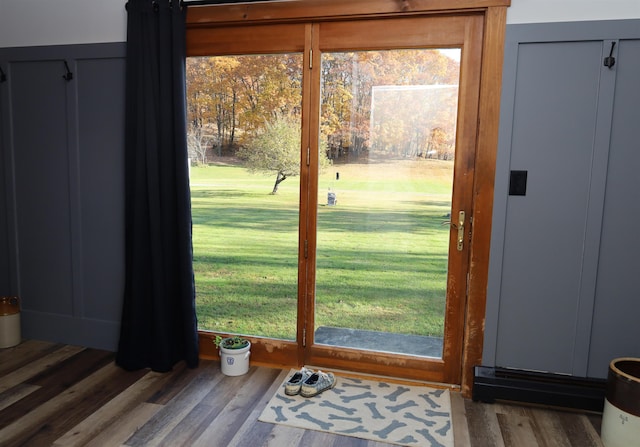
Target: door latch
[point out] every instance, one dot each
(460, 227)
(461, 218)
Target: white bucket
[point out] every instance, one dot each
(235, 362)
(9, 321)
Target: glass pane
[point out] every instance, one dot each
(244, 141)
(388, 125)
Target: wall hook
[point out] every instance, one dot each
(610, 61)
(3, 76)
(68, 76)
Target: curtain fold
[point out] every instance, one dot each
(158, 327)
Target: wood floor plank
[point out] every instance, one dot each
(382, 444)
(72, 369)
(548, 428)
(55, 380)
(23, 354)
(37, 366)
(109, 413)
(85, 399)
(516, 430)
(35, 424)
(318, 438)
(15, 394)
(177, 409)
(254, 432)
(459, 421)
(511, 409)
(483, 423)
(341, 440)
(180, 377)
(222, 429)
(579, 430)
(596, 421)
(283, 436)
(95, 392)
(123, 428)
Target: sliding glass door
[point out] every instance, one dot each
(397, 104)
(244, 138)
(332, 200)
(384, 207)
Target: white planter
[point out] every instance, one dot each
(621, 416)
(234, 362)
(9, 321)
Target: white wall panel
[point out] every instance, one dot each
(61, 22)
(541, 11)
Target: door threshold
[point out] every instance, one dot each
(420, 345)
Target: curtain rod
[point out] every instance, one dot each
(209, 2)
(221, 2)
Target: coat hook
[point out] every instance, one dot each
(68, 76)
(3, 77)
(610, 61)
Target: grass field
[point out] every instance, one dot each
(382, 250)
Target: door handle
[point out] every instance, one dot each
(461, 218)
(460, 227)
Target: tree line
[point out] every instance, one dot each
(396, 103)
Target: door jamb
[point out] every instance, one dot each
(494, 12)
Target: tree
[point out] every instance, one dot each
(277, 149)
(198, 143)
(212, 91)
(348, 81)
(236, 95)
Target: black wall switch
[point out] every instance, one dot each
(518, 183)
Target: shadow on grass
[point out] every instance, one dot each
(343, 261)
(383, 270)
(346, 221)
(259, 293)
(269, 308)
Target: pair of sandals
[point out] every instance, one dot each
(309, 383)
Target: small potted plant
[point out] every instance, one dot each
(234, 355)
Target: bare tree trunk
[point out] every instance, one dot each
(233, 118)
(279, 179)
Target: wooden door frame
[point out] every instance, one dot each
(425, 31)
(209, 23)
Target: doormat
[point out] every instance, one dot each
(379, 411)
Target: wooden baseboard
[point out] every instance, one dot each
(491, 384)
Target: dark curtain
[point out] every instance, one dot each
(159, 325)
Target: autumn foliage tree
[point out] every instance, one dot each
(422, 86)
(236, 100)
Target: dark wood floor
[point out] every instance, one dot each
(63, 395)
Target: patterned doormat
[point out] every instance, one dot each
(379, 411)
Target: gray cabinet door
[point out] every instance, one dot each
(101, 185)
(5, 275)
(63, 191)
(41, 158)
(616, 326)
(553, 125)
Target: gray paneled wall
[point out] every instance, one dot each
(616, 329)
(562, 290)
(38, 111)
(64, 148)
(561, 293)
(4, 235)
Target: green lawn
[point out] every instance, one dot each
(382, 251)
